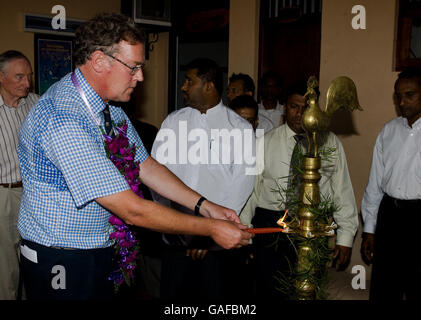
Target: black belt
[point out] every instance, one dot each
(404, 203)
(12, 185)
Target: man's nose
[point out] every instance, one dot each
(27, 81)
(401, 101)
(139, 75)
(301, 111)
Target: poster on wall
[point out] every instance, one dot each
(53, 60)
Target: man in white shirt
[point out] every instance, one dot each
(266, 204)
(189, 144)
(391, 206)
(15, 103)
(269, 106)
(242, 84)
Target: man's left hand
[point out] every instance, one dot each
(342, 257)
(212, 210)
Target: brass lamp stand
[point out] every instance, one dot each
(341, 93)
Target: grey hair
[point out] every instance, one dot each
(8, 56)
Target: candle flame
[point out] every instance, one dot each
(284, 225)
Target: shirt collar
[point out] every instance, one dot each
(96, 103)
(214, 109)
(20, 103)
(415, 125)
(290, 132)
(211, 111)
(278, 107)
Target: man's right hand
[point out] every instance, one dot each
(367, 247)
(229, 234)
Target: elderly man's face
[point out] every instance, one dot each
(15, 80)
(120, 82)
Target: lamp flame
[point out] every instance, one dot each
(284, 225)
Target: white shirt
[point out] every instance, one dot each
(218, 179)
(273, 115)
(11, 119)
(395, 168)
(265, 124)
(277, 147)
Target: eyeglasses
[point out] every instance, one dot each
(133, 70)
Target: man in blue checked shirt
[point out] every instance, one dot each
(71, 188)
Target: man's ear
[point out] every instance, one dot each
(99, 61)
(209, 86)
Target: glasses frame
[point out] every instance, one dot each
(133, 70)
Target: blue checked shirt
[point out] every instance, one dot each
(64, 168)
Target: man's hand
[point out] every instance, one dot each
(342, 257)
(212, 210)
(196, 254)
(367, 247)
(229, 234)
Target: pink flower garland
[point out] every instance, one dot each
(122, 155)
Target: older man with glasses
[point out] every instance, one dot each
(73, 186)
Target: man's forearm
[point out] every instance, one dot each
(163, 181)
(144, 213)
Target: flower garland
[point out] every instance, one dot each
(122, 155)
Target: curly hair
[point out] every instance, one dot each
(104, 32)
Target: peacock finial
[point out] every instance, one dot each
(341, 93)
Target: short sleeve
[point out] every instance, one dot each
(77, 150)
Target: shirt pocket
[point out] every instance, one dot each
(221, 158)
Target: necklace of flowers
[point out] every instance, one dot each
(122, 155)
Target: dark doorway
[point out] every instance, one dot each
(290, 36)
(200, 30)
